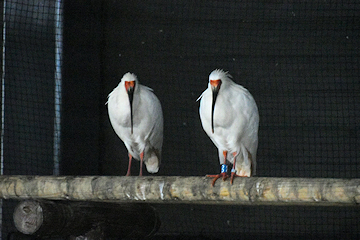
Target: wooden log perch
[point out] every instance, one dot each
(198, 190)
(93, 220)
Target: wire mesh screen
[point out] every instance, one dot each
(29, 101)
(299, 60)
(29, 88)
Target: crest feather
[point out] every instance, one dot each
(219, 74)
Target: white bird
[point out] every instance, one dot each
(136, 116)
(230, 117)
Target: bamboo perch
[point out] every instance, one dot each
(195, 190)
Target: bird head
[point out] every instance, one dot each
(130, 81)
(216, 79)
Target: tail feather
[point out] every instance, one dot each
(152, 163)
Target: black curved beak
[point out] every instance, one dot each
(131, 96)
(130, 91)
(215, 90)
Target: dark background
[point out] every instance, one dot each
(299, 59)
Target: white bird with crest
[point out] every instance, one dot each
(230, 117)
(136, 116)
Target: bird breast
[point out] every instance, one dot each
(119, 110)
(232, 113)
(147, 119)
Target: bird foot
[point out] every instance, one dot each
(233, 174)
(222, 175)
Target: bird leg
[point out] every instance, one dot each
(233, 174)
(128, 171)
(141, 162)
(242, 174)
(223, 174)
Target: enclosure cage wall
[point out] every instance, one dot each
(299, 60)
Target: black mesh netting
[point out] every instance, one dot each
(29, 104)
(299, 59)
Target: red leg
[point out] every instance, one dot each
(222, 175)
(225, 155)
(141, 162)
(129, 167)
(233, 170)
(233, 174)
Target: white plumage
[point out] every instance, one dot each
(234, 130)
(136, 116)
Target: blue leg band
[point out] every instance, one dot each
(224, 168)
